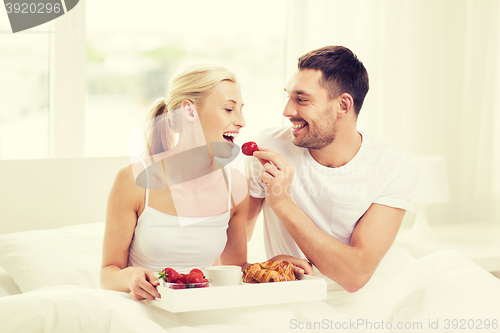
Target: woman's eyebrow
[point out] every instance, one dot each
(233, 101)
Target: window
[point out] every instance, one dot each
(132, 56)
(24, 91)
(84, 91)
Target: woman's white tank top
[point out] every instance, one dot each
(160, 241)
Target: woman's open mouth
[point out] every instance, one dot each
(230, 136)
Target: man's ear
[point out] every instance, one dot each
(345, 105)
(188, 109)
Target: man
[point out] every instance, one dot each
(332, 197)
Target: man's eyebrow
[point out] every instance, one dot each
(299, 92)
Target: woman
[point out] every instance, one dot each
(179, 207)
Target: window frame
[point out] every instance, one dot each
(67, 84)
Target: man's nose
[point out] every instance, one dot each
(289, 110)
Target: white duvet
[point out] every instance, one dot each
(443, 292)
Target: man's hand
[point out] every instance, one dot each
(300, 266)
(277, 175)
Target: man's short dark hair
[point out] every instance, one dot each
(342, 72)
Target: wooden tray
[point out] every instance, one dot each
(308, 288)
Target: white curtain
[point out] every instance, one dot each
(434, 69)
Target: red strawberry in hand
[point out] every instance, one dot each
(249, 148)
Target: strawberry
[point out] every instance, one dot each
(194, 278)
(197, 271)
(169, 275)
(179, 285)
(183, 278)
(173, 276)
(249, 148)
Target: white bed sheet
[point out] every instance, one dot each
(442, 286)
(57, 269)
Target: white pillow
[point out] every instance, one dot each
(7, 285)
(64, 256)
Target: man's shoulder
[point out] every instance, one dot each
(377, 145)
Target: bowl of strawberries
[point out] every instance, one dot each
(174, 280)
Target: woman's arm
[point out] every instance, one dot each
(254, 209)
(235, 252)
(121, 218)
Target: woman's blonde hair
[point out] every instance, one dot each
(193, 84)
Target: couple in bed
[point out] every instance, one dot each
(333, 199)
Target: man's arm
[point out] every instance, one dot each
(254, 208)
(351, 266)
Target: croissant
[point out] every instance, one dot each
(269, 271)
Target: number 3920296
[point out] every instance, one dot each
(33, 8)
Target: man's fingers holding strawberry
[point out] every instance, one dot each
(270, 169)
(266, 155)
(266, 178)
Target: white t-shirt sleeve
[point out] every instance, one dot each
(253, 171)
(400, 190)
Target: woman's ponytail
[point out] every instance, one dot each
(157, 136)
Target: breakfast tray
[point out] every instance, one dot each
(307, 288)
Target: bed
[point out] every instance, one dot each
(51, 228)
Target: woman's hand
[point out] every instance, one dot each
(142, 283)
(300, 266)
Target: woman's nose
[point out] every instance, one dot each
(240, 120)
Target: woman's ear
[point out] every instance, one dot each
(188, 109)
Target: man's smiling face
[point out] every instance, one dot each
(310, 110)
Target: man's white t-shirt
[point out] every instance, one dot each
(333, 198)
